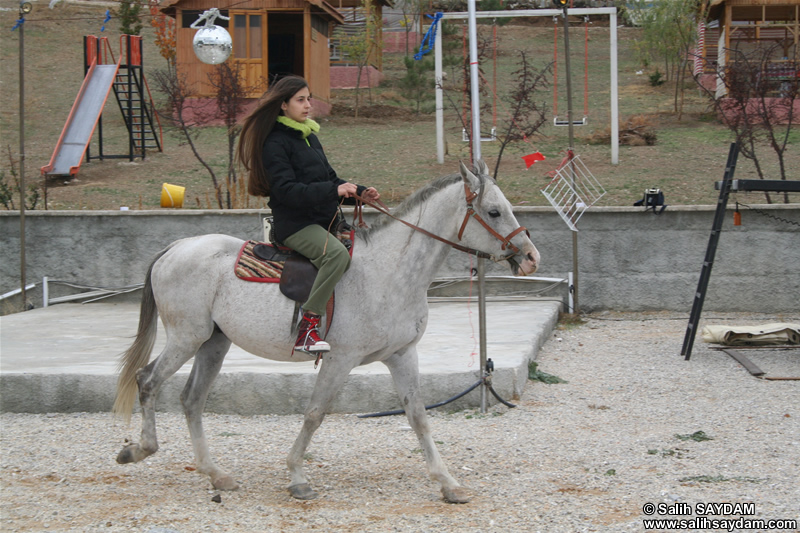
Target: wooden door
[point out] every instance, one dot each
(250, 49)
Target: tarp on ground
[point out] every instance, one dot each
(768, 334)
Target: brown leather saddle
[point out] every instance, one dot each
(298, 273)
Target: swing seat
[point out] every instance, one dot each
(559, 122)
(490, 138)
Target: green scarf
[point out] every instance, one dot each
(306, 128)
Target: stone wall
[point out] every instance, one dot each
(628, 259)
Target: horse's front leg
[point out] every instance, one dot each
(404, 367)
(332, 375)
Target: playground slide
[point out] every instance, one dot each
(82, 120)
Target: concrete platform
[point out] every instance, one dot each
(63, 358)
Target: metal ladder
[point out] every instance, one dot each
(136, 110)
(705, 272)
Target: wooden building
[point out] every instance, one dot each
(747, 26)
(271, 38)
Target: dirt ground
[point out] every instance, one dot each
(630, 424)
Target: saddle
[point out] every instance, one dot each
(295, 274)
(270, 263)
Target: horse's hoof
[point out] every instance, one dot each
(127, 454)
(457, 495)
(303, 491)
(225, 483)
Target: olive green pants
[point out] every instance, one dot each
(331, 261)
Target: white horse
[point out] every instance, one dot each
(381, 314)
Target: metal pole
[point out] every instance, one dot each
(571, 129)
(22, 160)
(474, 82)
(482, 325)
(437, 62)
(614, 89)
(475, 141)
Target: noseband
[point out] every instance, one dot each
(470, 196)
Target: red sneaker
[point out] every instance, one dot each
(308, 339)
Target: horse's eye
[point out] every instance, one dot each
(494, 213)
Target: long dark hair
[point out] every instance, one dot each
(258, 125)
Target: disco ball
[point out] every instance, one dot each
(212, 44)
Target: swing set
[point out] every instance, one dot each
(556, 120)
(465, 92)
(613, 104)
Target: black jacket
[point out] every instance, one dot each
(303, 185)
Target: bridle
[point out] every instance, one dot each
(470, 196)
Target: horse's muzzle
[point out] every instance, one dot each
(528, 265)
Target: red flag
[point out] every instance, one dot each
(530, 159)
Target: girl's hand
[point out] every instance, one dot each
(348, 190)
(370, 195)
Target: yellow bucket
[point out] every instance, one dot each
(172, 195)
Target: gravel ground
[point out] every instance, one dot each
(586, 455)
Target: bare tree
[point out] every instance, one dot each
(227, 80)
(186, 115)
(362, 46)
(526, 116)
(183, 114)
(757, 103)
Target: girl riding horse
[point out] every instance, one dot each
(285, 160)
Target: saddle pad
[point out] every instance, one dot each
(250, 268)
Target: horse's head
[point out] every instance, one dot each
(490, 225)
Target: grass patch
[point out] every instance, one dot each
(534, 374)
(718, 479)
(478, 414)
(389, 146)
(673, 452)
(570, 321)
(697, 436)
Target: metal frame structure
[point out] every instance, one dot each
(438, 75)
(725, 187)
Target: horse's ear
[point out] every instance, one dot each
(483, 169)
(472, 181)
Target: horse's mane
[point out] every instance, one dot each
(418, 197)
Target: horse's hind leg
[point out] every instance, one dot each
(404, 367)
(207, 364)
(150, 378)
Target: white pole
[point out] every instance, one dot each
(474, 83)
(614, 90)
(439, 76)
(475, 140)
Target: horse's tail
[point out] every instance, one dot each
(138, 355)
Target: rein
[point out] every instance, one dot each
(470, 196)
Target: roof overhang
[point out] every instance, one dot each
(327, 9)
(755, 10)
(321, 7)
